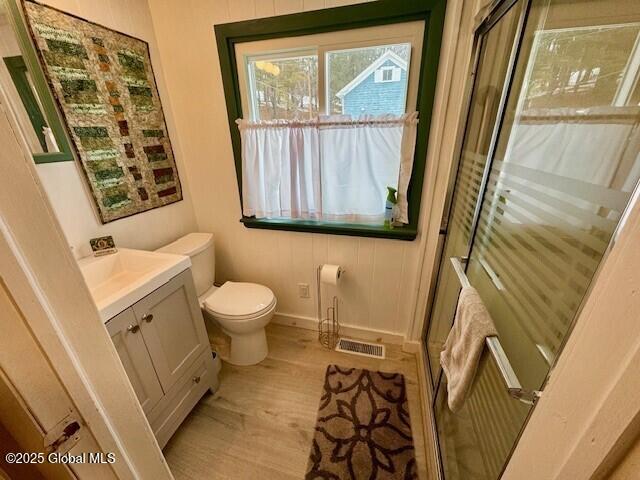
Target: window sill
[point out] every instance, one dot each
(398, 233)
(39, 158)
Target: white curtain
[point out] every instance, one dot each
(589, 146)
(586, 151)
(330, 168)
(280, 169)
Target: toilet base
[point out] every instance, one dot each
(248, 348)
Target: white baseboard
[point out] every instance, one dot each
(351, 331)
(411, 346)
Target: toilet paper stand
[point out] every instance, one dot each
(329, 326)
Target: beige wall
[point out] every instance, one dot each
(64, 182)
(381, 281)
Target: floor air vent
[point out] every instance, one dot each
(365, 349)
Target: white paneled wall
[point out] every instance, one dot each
(64, 181)
(378, 292)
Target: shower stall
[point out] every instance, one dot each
(548, 158)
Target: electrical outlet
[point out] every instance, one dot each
(303, 290)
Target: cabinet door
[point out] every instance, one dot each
(173, 328)
(127, 338)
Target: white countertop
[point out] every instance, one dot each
(119, 280)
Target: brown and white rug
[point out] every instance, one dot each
(363, 429)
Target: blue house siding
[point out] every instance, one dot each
(373, 98)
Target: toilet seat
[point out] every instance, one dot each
(240, 301)
(239, 319)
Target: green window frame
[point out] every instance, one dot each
(381, 12)
(18, 72)
(29, 61)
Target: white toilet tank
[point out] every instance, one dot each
(200, 248)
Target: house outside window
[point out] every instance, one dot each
(379, 88)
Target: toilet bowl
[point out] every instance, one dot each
(242, 309)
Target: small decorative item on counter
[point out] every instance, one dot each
(103, 245)
(389, 207)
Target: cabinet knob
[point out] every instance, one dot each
(133, 328)
(196, 379)
(147, 317)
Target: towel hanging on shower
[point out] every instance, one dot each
(464, 345)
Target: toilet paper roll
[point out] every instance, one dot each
(330, 274)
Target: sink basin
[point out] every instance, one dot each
(119, 280)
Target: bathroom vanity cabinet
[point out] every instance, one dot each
(163, 345)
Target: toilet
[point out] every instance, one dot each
(242, 309)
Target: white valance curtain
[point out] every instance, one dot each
(329, 168)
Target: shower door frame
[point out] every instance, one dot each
(485, 20)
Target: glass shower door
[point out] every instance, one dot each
(494, 53)
(560, 172)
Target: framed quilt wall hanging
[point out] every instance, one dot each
(105, 88)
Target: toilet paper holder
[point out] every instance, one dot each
(329, 326)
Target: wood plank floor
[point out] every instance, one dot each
(260, 422)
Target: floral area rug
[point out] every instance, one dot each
(363, 431)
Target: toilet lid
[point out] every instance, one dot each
(239, 299)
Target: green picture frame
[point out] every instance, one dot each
(29, 61)
(381, 12)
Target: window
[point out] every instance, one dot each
(324, 120)
(599, 64)
(39, 141)
(283, 86)
(331, 73)
(353, 74)
(389, 74)
(28, 96)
